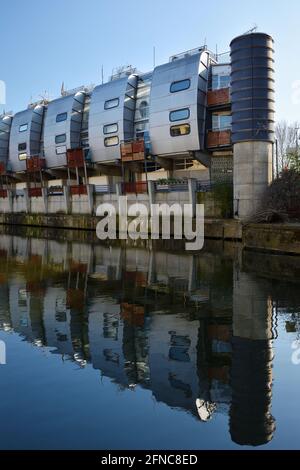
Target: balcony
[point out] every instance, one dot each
(216, 139)
(75, 158)
(35, 164)
(219, 97)
(133, 151)
(140, 187)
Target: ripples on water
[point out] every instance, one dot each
(146, 348)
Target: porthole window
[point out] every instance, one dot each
(180, 85)
(60, 139)
(179, 114)
(181, 129)
(61, 117)
(111, 141)
(109, 104)
(110, 128)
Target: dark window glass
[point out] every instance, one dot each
(111, 141)
(179, 114)
(60, 139)
(180, 85)
(181, 129)
(110, 128)
(109, 104)
(61, 117)
(22, 147)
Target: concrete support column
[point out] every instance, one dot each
(252, 174)
(67, 199)
(45, 199)
(119, 189)
(192, 183)
(27, 201)
(90, 194)
(10, 195)
(151, 194)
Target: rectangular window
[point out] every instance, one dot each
(22, 147)
(22, 156)
(111, 141)
(221, 122)
(179, 114)
(61, 117)
(60, 150)
(110, 128)
(23, 127)
(60, 139)
(181, 129)
(109, 104)
(180, 85)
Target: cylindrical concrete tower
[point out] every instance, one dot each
(253, 108)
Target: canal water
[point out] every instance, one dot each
(146, 347)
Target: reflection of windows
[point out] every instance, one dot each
(22, 298)
(110, 326)
(60, 317)
(180, 85)
(182, 129)
(179, 350)
(22, 147)
(110, 128)
(60, 139)
(179, 114)
(221, 122)
(179, 385)
(61, 117)
(111, 141)
(61, 337)
(111, 356)
(23, 127)
(109, 104)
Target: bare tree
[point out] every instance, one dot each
(287, 141)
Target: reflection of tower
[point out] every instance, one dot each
(251, 422)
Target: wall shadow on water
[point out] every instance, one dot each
(195, 329)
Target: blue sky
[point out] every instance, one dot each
(46, 42)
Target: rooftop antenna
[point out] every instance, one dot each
(205, 45)
(62, 90)
(154, 56)
(102, 74)
(252, 30)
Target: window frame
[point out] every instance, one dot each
(59, 150)
(58, 141)
(180, 81)
(22, 147)
(108, 125)
(110, 138)
(177, 111)
(106, 107)
(58, 119)
(180, 125)
(23, 156)
(25, 125)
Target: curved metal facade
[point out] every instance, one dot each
(5, 125)
(252, 88)
(121, 116)
(25, 137)
(71, 108)
(163, 102)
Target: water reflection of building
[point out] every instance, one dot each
(148, 318)
(251, 422)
